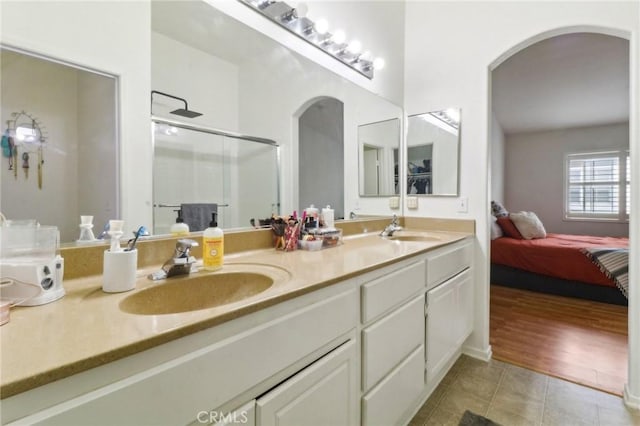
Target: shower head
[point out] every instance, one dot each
(184, 112)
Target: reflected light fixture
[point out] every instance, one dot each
(450, 116)
(317, 33)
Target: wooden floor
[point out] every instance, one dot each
(577, 340)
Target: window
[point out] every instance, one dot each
(598, 186)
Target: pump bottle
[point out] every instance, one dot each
(212, 246)
(179, 229)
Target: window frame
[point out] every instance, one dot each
(623, 181)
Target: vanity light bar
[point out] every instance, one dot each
(293, 20)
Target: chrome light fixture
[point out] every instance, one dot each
(316, 33)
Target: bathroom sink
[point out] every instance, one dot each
(196, 292)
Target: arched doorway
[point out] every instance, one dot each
(321, 155)
(633, 373)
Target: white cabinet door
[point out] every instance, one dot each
(325, 393)
(465, 302)
(441, 327)
(449, 320)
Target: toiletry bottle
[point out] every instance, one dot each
(212, 246)
(179, 229)
(327, 217)
(313, 216)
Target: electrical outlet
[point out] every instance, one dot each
(463, 205)
(412, 202)
(394, 202)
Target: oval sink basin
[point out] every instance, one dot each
(196, 292)
(420, 238)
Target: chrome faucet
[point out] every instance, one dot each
(179, 264)
(392, 227)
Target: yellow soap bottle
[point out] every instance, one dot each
(212, 246)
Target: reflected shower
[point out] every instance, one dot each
(184, 112)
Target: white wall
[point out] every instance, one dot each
(450, 49)
(208, 83)
(110, 36)
(496, 176)
(535, 174)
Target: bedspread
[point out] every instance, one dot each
(558, 255)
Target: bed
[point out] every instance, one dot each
(559, 264)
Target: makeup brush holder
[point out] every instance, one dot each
(119, 273)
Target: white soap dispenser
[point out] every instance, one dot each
(179, 229)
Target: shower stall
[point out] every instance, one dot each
(194, 164)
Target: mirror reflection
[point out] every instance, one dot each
(246, 82)
(378, 147)
(433, 141)
(198, 171)
(59, 143)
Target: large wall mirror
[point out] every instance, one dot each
(59, 142)
(433, 145)
(378, 149)
(243, 81)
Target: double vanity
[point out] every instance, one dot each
(357, 334)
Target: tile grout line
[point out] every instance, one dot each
(495, 392)
(447, 389)
(544, 400)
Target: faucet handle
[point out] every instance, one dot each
(183, 246)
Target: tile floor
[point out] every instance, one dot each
(513, 396)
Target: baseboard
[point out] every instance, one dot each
(478, 353)
(631, 401)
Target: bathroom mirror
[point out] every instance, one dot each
(378, 148)
(245, 82)
(433, 141)
(59, 144)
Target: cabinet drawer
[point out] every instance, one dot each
(390, 340)
(390, 399)
(446, 262)
(388, 291)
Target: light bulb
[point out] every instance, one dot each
(338, 37)
(453, 114)
(378, 63)
(366, 56)
(354, 47)
(321, 26)
(301, 10)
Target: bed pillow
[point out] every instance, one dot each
(498, 209)
(509, 228)
(496, 231)
(528, 224)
